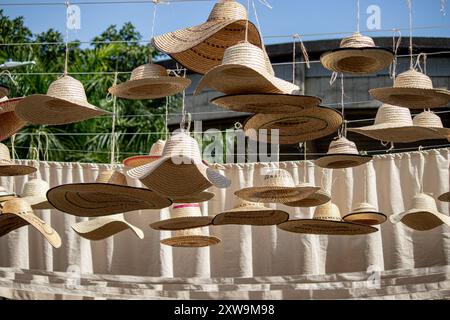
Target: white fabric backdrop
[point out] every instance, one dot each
(250, 251)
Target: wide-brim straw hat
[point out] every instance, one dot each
(423, 214)
(65, 102)
(251, 213)
(183, 216)
(109, 195)
(195, 198)
(154, 154)
(444, 197)
(431, 123)
(35, 193)
(4, 91)
(200, 48)
(316, 199)
(245, 69)
(10, 122)
(277, 187)
(180, 172)
(365, 213)
(412, 89)
(327, 221)
(150, 81)
(17, 213)
(357, 54)
(272, 103)
(190, 238)
(105, 227)
(342, 153)
(307, 125)
(394, 124)
(9, 168)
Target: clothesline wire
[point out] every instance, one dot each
(40, 4)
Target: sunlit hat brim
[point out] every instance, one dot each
(413, 98)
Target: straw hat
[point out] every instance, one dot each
(65, 102)
(431, 123)
(194, 198)
(17, 213)
(444, 197)
(316, 199)
(109, 195)
(251, 213)
(393, 123)
(190, 238)
(309, 124)
(183, 216)
(154, 154)
(245, 68)
(5, 195)
(150, 81)
(277, 187)
(365, 213)
(342, 153)
(272, 103)
(200, 48)
(326, 220)
(34, 192)
(357, 54)
(412, 89)
(10, 122)
(180, 171)
(7, 166)
(423, 214)
(4, 91)
(104, 227)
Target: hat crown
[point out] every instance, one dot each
(157, 148)
(16, 205)
(364, 207)
(357, 40)
(186, 210)
(428, 119)
(327, 211)
(278, 178)
(342, 145)
(248, 204)
(182, 145)
(425, 202)
(111, 177)
(5, 155)
(393, 114)
(413, 79)
(149, 70)
(35, 187)
(228, 10)
(67, 88)
(248, 55)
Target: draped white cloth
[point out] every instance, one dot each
(245, 251)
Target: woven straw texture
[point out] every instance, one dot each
(190, 238)
(150, 81)
(310, 124)
(183, 216)
(412, 89)
(245, 69)
(271, 103)
(365, 213)
(34, 192)
(154, 154)
(316, 199)
(65, 102)
(342, 153)
(3, 92)
(10, 122)
(201, 48)
(8, 168)
(194, 198)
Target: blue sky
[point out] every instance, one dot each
(287, 17)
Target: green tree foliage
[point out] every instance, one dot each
(134, 118)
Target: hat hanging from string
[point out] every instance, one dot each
(10, 122)
(8, 165)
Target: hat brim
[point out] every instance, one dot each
(342, 160)
(10, 124)
(310, 124)
(191, 241)
(388, 132)
(178, 180)
(275, 194)
(271, 103)
(444, 197)
(102, 228)
(150, 88)
(241, 79)
(189, 47)
(316, 199)
(252, 217)
(4, 91)
(15, 170)
(44, 109)
(357, 60)
(136, 161)
(182, 223)
(326, 227)
(413, 98)
(101, 199)
(195, 198)
(420, 220)
(370, 218)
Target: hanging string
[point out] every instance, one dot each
(265, 3)
(342, 95)
(166, 122)
(247, 22)
(410, 34)
(155, 3)
(113, 127)
(9, 75)
(67, 42)
(443, 4)
(417, 64)
(183, 125)
(395, 47)
(357, 16)
(293, 59)
(333, 78)
(296, 37)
